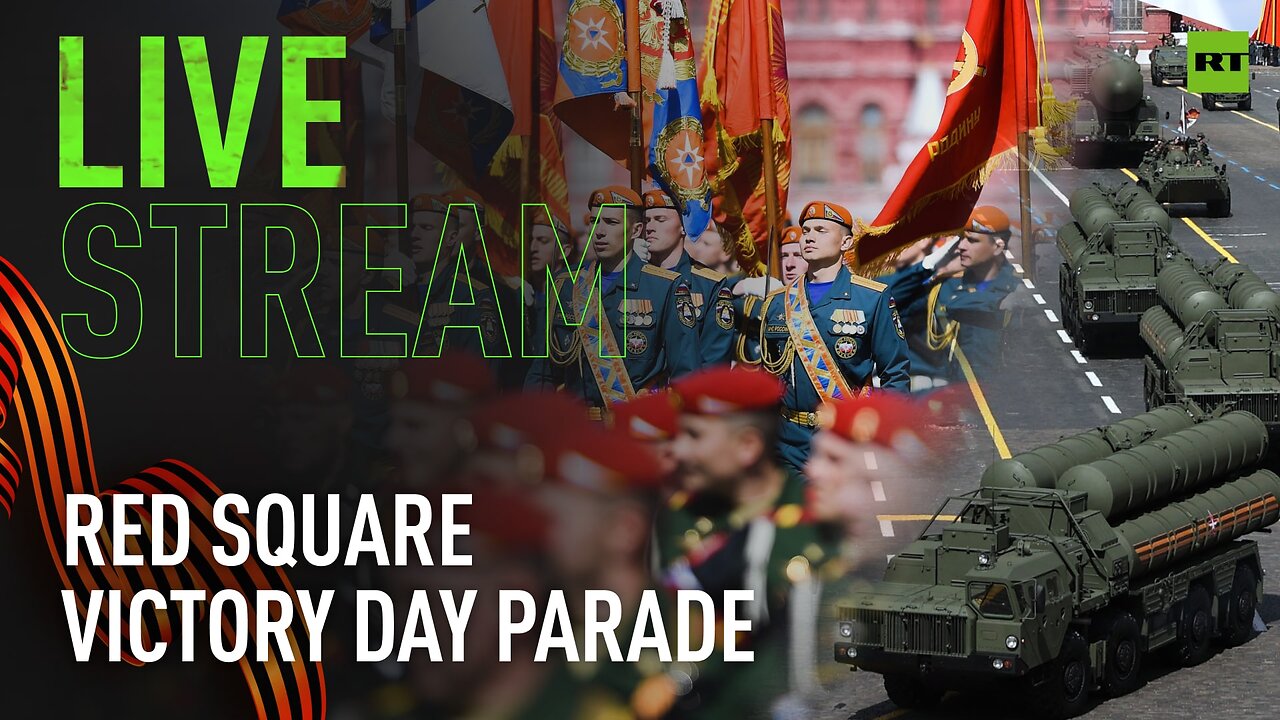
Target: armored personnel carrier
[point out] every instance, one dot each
(1060, 583)
(1182, 171)
(1115, 122)
(1168, 63)
(1112, 250)
(1214, 340)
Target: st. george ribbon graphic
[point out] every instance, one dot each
(38, 382)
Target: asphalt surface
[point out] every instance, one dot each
(1046, 391)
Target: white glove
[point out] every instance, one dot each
(758, 286)
(933, 259)
(641, 248)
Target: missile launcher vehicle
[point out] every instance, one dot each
(1182, 171)
(1214, 340)
(1115, 121)
(1069, 567)
(1112, 250)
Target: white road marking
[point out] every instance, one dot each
(1065, 337)
(1079, 357)
(889, 558)
(869, 457)
(1028, 283)
(1017, 268)
(886, 528)
(877, 490)
(1008, 254)
(1049, 314)
(1111, 404)
(1052, 188)
(1093, 378)
(1038, 298)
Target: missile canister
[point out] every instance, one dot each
(1161, 333)
(1245, 290)
(1186, 292)
(1139, 206)
(1117, 85)
(1215, 516)
(1091, 208)
(1071, 243)
(1177, 463)
(1043, 466)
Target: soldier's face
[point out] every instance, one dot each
(664, 230)
(611, 236)
(712, 453)
(839, 490)
(978, 249)
(542, 248)
(823, 241)
(425, 236)
(465, 223)
(793, 262)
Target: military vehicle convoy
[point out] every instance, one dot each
(1181, 170)
(1168, 63)
(1215, 101)
(1214, 340)
(1115, 121)
(1112, 250)
(1075, 562)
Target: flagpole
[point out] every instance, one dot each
(530, 168)
(1024, 155)
(399, 22)
(774, 259)
(636, 90)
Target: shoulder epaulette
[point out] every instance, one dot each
(864, 282)
(709, 274)
(662, 272)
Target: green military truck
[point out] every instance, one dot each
(1169, 64)
(1070, 566)
(1112, 249)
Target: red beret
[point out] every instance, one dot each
(659, 199)
(513, 421)
(820, 210)
(791, 235)
(725, 390)
(454, 377)
(320, 383)
(512, 521)
(600, 460)
(650, 417)
(426, 202)
(884, 418)
(615, 195)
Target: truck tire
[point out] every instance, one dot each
(1247, 104)
(1062, 691)
(1237, 621)
(1219, 208)
(909, 691)
(1122, 672)
(1155, 79)
(1195, 628)
(1208, 102)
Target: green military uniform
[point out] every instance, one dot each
(649, 336)
(705, 544)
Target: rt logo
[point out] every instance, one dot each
(1219, 62)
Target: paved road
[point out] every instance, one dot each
(1046, 391)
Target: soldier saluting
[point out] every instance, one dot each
(621, 325)
(829, 335)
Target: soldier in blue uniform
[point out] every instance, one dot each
(448, 296)
(956, 298)
(709, 296)
(549, 240)
(829, 335)
(642, 342)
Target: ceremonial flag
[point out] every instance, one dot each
(1189, 117)
(591, 94)
(380, 29)
(1267, 31)
(326, 17)
(744, 82)
(991, 99)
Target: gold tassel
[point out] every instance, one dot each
(511, 150)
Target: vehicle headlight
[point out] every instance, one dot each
(846, 630)
(997, 663)
(1088, 304)
(851, 652)
(1011, 642)
(984, 559)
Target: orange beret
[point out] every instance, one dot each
(659, 200)
(726, 390)
(649, 417)
(615, 195)
(451, 378)
(791, 235)
(426, 202)
(988, 220)
(544, 217)
(464, 196)
(884, 418)
(820, 210)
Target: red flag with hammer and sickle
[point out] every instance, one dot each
(991, 99)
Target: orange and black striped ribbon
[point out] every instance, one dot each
(37, 378)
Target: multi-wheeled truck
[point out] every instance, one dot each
(1075, 561)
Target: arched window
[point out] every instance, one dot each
(814, 148)
(871, 143)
